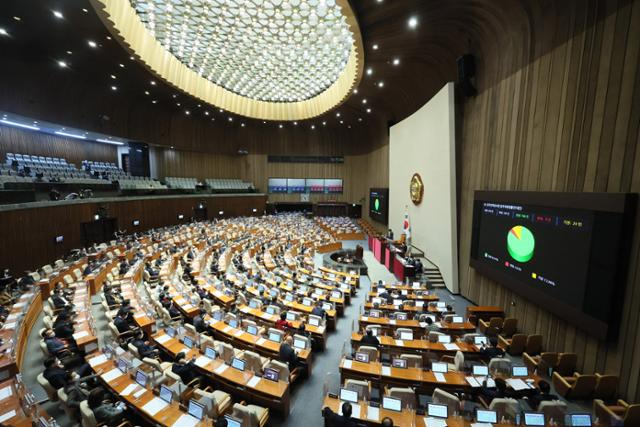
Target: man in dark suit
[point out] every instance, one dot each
(335, 420)
(287, 354)
(542, 396)
(492, 351)
(121, 323)
(497, 392)
(55, 373)
(145, 349)
(370, 340)
(63, 327)
(198, 323)
(185, 370)
(318, 310)
(59, 301)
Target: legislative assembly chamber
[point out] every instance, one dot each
(339, 213)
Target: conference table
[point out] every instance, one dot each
(12, 393)
(392, 346)
(484, 312)
(390, 325)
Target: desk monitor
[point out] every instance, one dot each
(233, 323)
(291, 317)
(273, 293)
(217, 315)
(232, 422)
(519, 371)
(171, 331)
(486, 416)
(444, 339)
(401, 316)
(457, 319)
(271, 374)
(238, 363)
(195, 409)
(123, 365)
(391, 403)
(397, 302)
(348, 395)
(253, 303)
(307, 301)
(441, 304)
(210, 353)
(108, 351)
(441, 367)
(188, 342)
(376, 301)
(314, 321)
(141, 378)
(399, 363)
(375, 331)
(336, 294)
(406, 336)
(374, 313)
(288, 298)
(440, 411)
(270, 310)
(580, 420)
(534, 419)
(274, 337)
(326, 306)
(480, 340)
(362, 357)
(298, 343)
(253, 330)
(480, 370)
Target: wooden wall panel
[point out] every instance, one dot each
(28, 235)
(566, 119)
(13, 140)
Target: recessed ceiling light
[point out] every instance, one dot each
(69, 52)
(220, 110)
(324, 123)
(108, 37)
(295, 123)
(242, 125)
(380, 84)
(172, 147)
(230, 119)
(206, 113)
(114, 87)
(364, 101)
(113, 76)
(85, 10)
(369, 71)
(153, 83)
(355, 91)
(92, 44)
(396, 61)
(17, 18)
(62, 64)
(368, 110)
(359, 119)
(280, 126)
(57, 14)
(187, 112)
(412, 22)
(379, 1)
(154, 101)
(375, 47)
(178, 104)
(3, 32)
(121, 65)
(338, 114)
(146, 92)
(341, 121)
(313, 126)
(131, 58)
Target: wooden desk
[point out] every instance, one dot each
(394, 347)
(11, 404)
(274, 395)
(391, 325)
(484, 312)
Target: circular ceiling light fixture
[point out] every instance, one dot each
(266, 59)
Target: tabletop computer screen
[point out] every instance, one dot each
(252, 330)
(326, 306)
(195, 409)
(217, 315)
(443, 368)
(401, 316)
(123, 365)
(308, 302)
(397, 302)
(444, 339)
(314, 322)
(580, 420)
(238, 363)
(141, 378)
(271, 374)
(480, 340)
(291, 316)
(298, 343)
(210, 353)
(441, 304)
(362, 357)
(457, 319)
(519, 371)
(171, 331)
(391, 403)
(480, 370)
(406, 336)
(348, 395)
(336, 295)
(274, 337)
(233, 323)
(440, 411)
(271, 310)
(533, 419)
(253, 303)
(233, 422)
(166, 394)
(288, 298)
(486, 416)
(399, 363)
(188, 342)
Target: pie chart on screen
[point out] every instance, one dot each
(521, 243)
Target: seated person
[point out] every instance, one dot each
(282, 323)
(370, 340)
(492, 351)
(121, 323)
(287, 354)
(497, 392)
(104, 410)
(59, 300)
(123, 268)
(111, 298)
(198, 323)
(430, 327)
(57, 346)
(145, 349)
(63, 326)
(55, 373)
(335, 420)
(185, 370)
(541, 396)
(318, 310)
(387, 422)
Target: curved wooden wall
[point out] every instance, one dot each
(558, 110)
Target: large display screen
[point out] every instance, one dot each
(379, 204)
(277, 185)
(295, 185)
(315, 185)
(563, 251)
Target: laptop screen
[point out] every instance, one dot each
(444, 339)
(171, 331)
(274, 337)
(188, 342)
(232, 422)
(348, 395)
(401, 316)
(486, 416)
(362, 357)
(580, 420)
(519, 371)
(326, 306)
(457, 319)
(166, 394)
(233, 323)
(210, 353)
(217, 315)
(252, 330)
(141, 378)
(195, 409)
(480, 340)
(336, 294)
(406, 336)
(533, 419)
(480, 370)
(253, 303)
(238, 364)
(271, 374)
(298, 343)
(441, 304)
(308, 302)
(314, 321)
(123, 365)
(291, 316)
(391, 403)
(443, 368)
(399, 363)
(440, 411)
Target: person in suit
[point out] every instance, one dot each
(492, 351)
(541, 396)
(497, 392)
(286, 354)
(59, 300)
(55, 373)
(104, 410)
(430, 327)
(145, 349)
(335, 420)
(318, 310)
(57, 346)
(185, 370)
(370, 340)
(63, 327)
(199, 324)
(120, 321)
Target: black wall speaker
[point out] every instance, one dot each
(466, 74)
